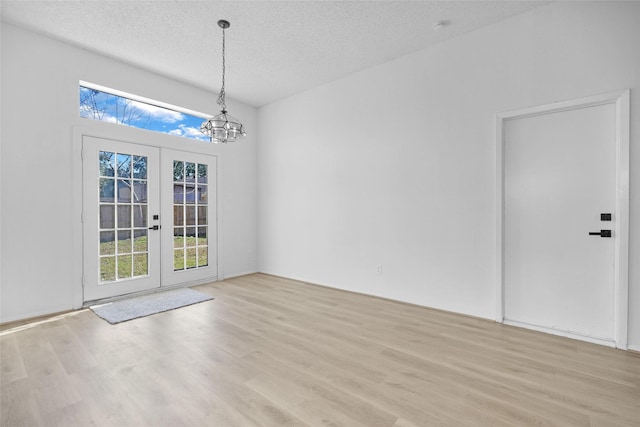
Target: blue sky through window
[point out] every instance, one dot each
(107, 107)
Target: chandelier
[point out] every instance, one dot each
(223, 127)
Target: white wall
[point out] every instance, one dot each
(1, 150)
(395, 166)
(40, 109)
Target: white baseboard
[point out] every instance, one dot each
(35, 314)
(634, 348)
(594, 340)
(231, 276)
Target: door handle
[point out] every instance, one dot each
(155, 227)
(601, 233)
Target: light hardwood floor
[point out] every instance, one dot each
(275, 352)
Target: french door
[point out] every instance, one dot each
(189, 217)
(149, 218)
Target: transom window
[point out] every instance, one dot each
(99, 103)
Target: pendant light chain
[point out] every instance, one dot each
(223, 127)
(221, 101)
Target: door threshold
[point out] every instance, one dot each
(108, 300)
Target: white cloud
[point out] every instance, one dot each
(158, 113)
(191, 131)
(188, 132)
(89, 112)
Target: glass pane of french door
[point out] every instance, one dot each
(123, 218)
(190, 203)
(120, 197)
(189, 183)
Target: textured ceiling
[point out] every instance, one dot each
(274, 48)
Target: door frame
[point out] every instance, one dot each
(621, 99)
(140, 137)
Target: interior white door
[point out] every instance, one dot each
(189, 218)
(559, 177)
(121, 250)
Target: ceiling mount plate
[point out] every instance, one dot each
(223, 24)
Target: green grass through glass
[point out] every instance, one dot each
(140, 259)
(189, 242)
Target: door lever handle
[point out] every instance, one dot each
(601, 233)
(155, 227)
